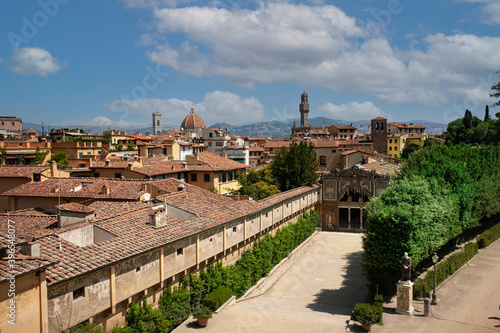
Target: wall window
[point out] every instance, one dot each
(80, 292)
(210, 144)
(97, 174)
(390, 148)
(210, 135)
(118, 175)
(180, 251)
(218, 144)
(395, 140)
(80, 155)
(223, 177)
(390, 140)
(194, 177)
(230, 176)
(334, 151)
(206, 177)
(179, 175)
(322, 160)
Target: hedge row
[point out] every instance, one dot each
(177, 304)
(489, 236)
(217, 297)
(444, 269)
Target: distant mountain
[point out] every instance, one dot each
(273, 129)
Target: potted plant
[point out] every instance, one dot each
(202, 314)
(366, 315)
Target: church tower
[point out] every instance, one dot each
(304, 110)
(156, 123)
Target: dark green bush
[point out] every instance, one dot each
(175, 305)
(217, 297)
(144, 319)
(367, 314)
(443, 270)
(85, 328)
(378, 300)
(489, 236)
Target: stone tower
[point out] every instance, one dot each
(379, 134)
(156, 122)
(304, 110)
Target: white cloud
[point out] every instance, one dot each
(318, 46)
(353, 111)
(35, 61)
(98, 121)
(217, 106)
(489, 8)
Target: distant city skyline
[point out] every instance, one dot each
(114, 63)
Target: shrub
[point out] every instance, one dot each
(202, 312)
(443, 270)
(378, 300)
(367, 314)
(217, 297)
(144, 319)
(489, 236)
(175, 305)
(85, 328)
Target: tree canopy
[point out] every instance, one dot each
(471, 129)
(296, 166)
(257, 184)
(496, 92)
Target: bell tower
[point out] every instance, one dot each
(304, 110)
(156, 122)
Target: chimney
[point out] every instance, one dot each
(54, 190)
(158, 216)
(105, 189)
(181, 187)
(130, 165)
(107, 163)
(145, 187)
(184, 165)
(53, 169)
(31, 249)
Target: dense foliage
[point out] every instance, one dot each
(367, 314)
(444, 269)
(218, 297)
(496, 92)
(176, 305)
(296, 166)
(61, 158)
(440, 193)
(471, 129)
(258, 184)
(489, 236)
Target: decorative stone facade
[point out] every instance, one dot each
(346, 194)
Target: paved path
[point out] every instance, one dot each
(468, 302)
(316, 294)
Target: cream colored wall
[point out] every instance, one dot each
(104, 303)
(225, 188)
(65, 312)
(27, 304)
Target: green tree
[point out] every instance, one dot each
(175, 304)
(487, 113)
(296, 166)
(496, 92)
(40, 155)
(144, 319)
(61, 158)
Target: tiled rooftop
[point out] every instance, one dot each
(217, 162)
(128, 221)
(20, 171)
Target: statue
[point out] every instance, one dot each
(406, 263)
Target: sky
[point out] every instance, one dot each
(115, 62)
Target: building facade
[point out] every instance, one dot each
(346, 194)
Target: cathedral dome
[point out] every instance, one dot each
(192, 121)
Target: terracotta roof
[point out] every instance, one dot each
(80, 188)
(192, 121)
(20, 171)
(217, 162)
(74, 207)
(379, 118)
(24, 265)
(129, 223)
(161, 168)
(407, 126)
(277, 144)
(255, 148)
(324, 143)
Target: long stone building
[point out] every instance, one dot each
(92, 261)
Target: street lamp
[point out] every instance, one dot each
(434, 260)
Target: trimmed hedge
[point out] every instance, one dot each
(366, 313)
(444, 269)
(489, 236)
(217, 297)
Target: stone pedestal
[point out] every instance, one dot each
(405, 298)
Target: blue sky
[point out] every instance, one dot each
(113, 63)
